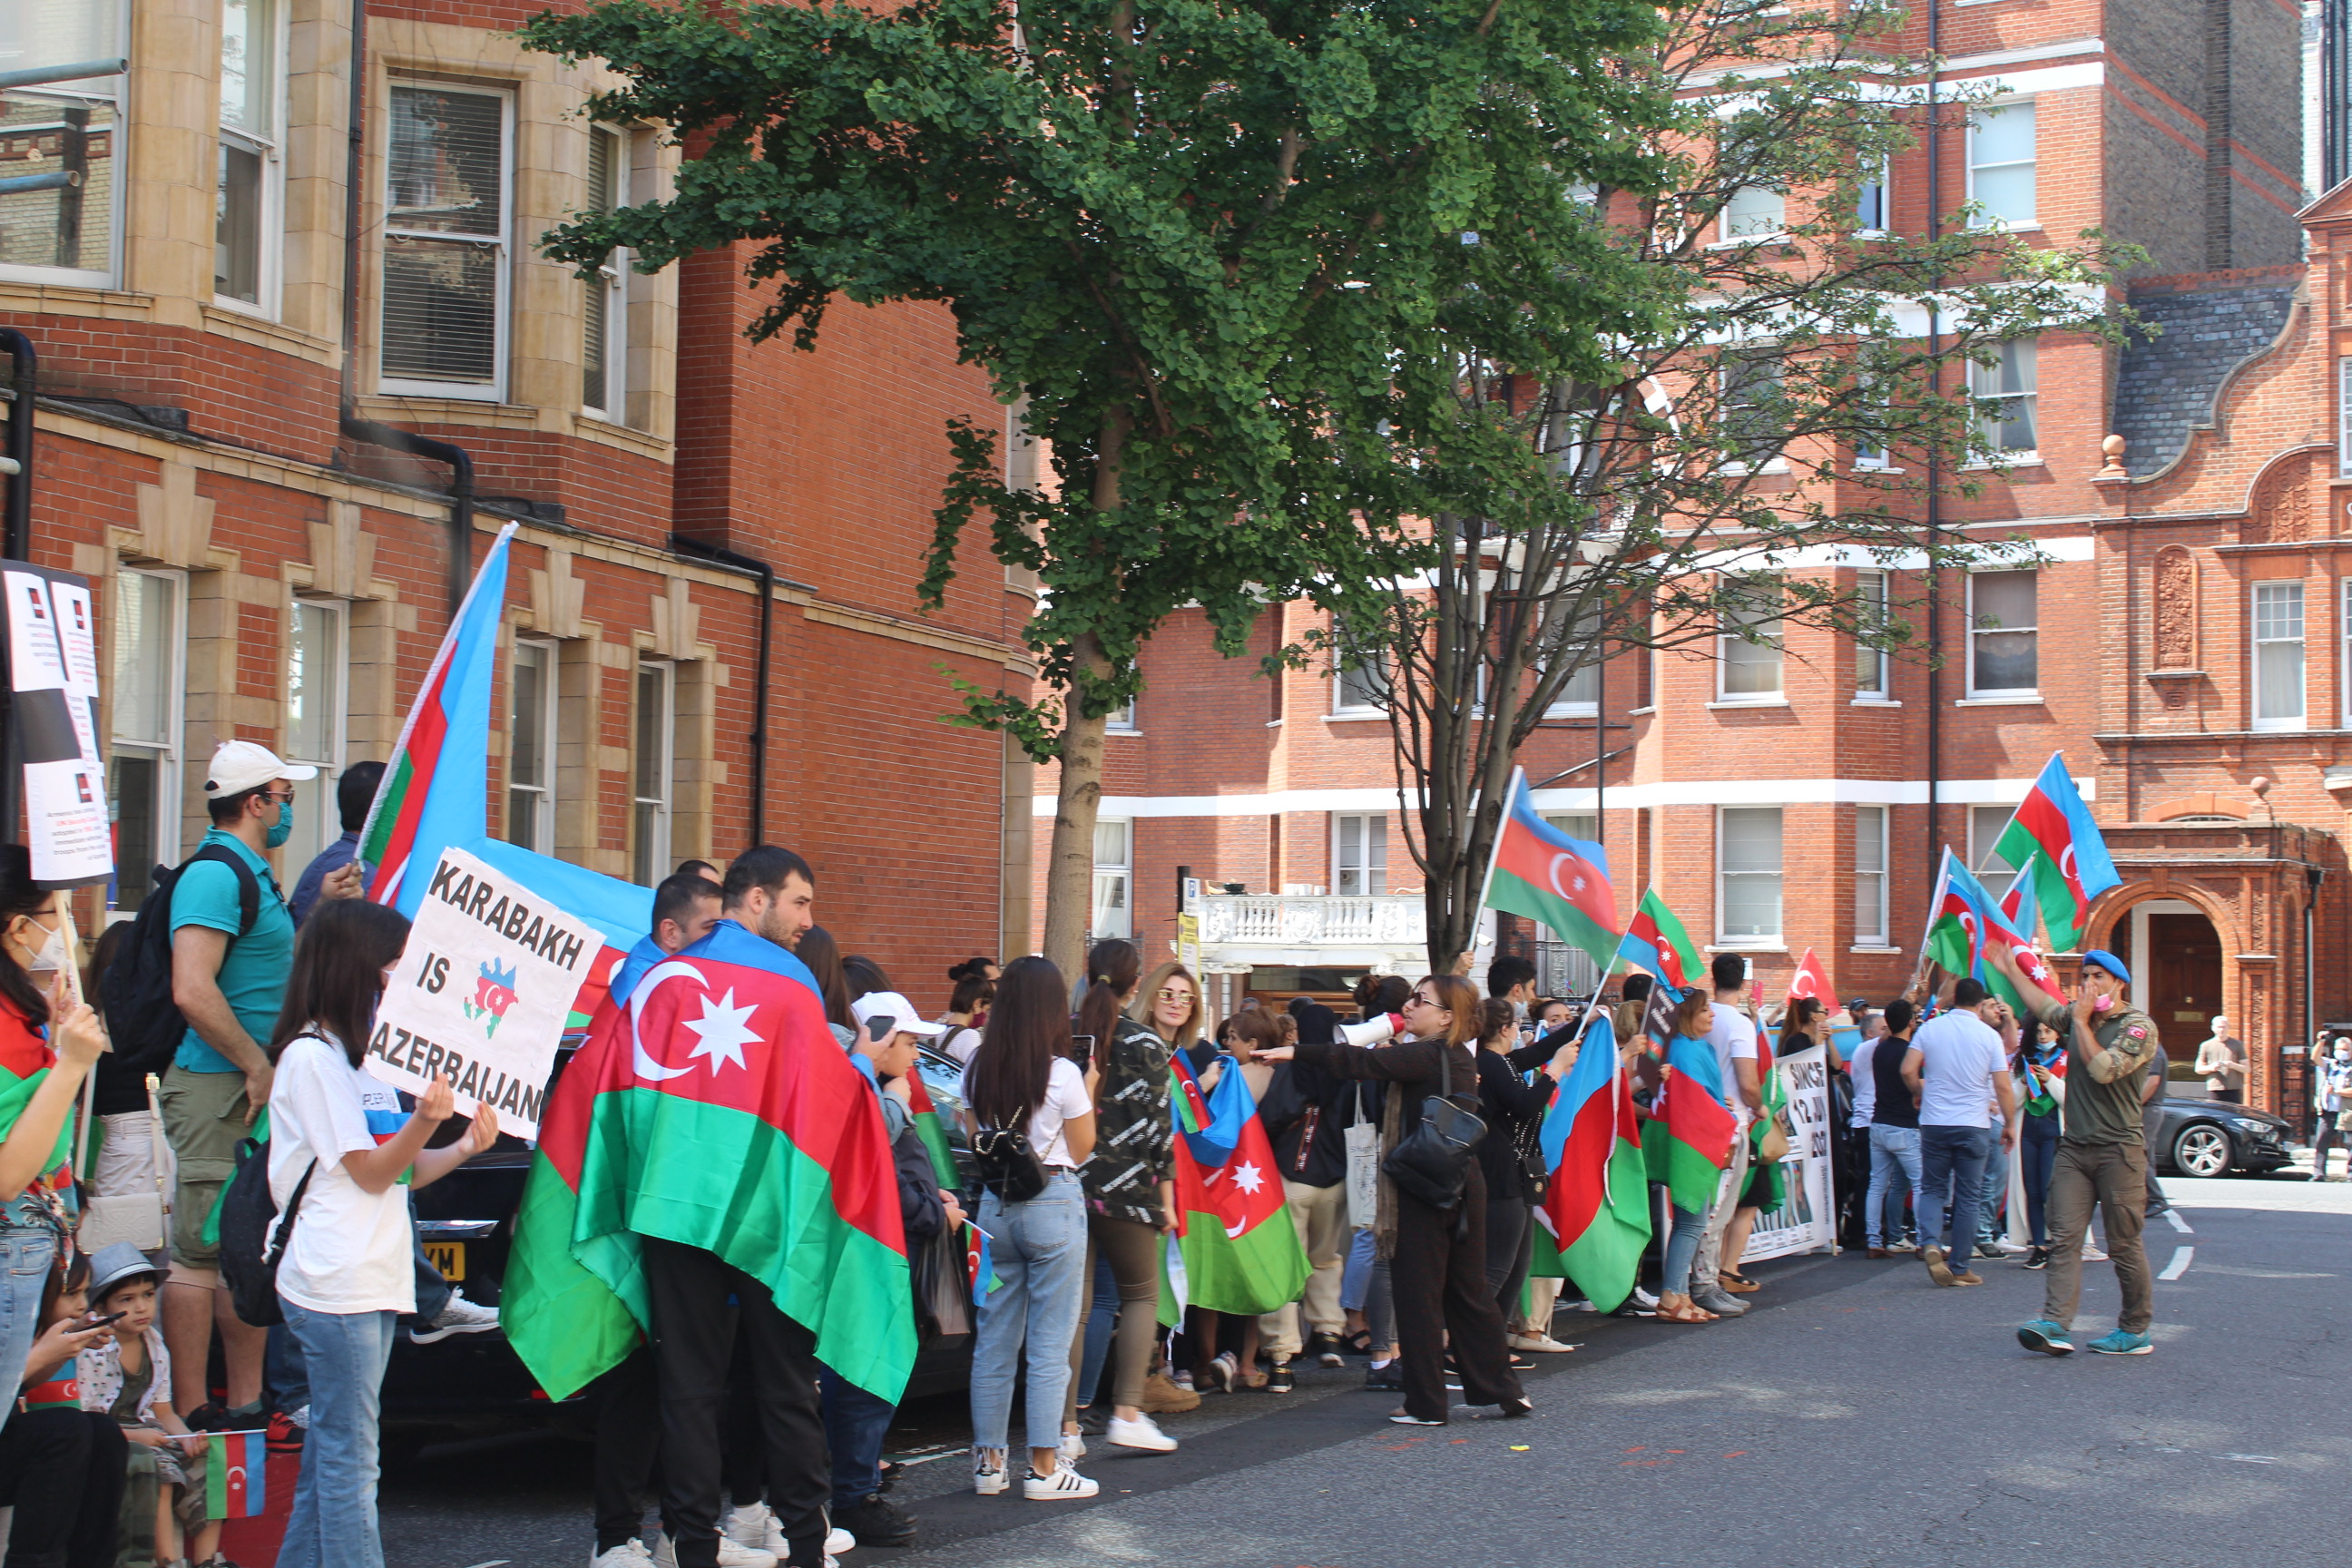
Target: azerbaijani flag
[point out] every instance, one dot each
(1965, 920)
(1596, 1206)
(711, 1107)
(236, 1476)
(934, 1135)
(1241, 1251)
(977, 1267)
(2022, 905)
(1695, 1148)
(1542, 873)
(25, 1062)
(1656, 943)
(2074, 865)
(437, 788)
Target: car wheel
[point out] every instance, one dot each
(2202, 1150)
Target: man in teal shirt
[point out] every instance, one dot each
(228, 985)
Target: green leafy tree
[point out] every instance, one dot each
(1797, 385)
(1206, 244)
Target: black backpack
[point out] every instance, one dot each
(252, 1238)
(135, 992)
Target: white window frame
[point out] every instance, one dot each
(549, 656)
(269, 238)
(1369, 877)
(1724, 937)
(1765, 217)
(2003, 109)
(1974, 631)
(1986, 825)
(113, 93)
(1121, 720)
(1984, 385)
(1568, 707)
(315, 800)
(611, 280)
(2343, 647)
(1874, 197)
(1729, 646)
(1873, 671)
(650, 815)
(2257, 689)
(1111, 873)
(1342, 705)
(168, 753)
(1777, 461)
(1870, 919)
(2343, 415)
(501, 246)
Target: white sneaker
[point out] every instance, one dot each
(1642, 1299)
(1142, 1432)
(2091, 1254)
(1541, 1342)
(751, 1525)
(731, 1554)
(459, 1317)
(1073, 1448)
(628, 1555)
(836, 1541)
(2008, 1248)
(1065, 1485)
(988, 1477)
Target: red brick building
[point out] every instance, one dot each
(272, 569)
(2183, 637)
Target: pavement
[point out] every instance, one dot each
(1859, 1416)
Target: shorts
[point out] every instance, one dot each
(126, 1157)
(203, 1119)
(2344, 1120)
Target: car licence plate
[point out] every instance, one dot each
(449, 1257)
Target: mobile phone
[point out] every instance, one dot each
(1081, 1049)
(882, 1025)
(95, 1321)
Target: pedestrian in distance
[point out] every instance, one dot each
(1894, 1132)
(2044, 1060)
(1959, 1066)
(1025, 1092)
(2102, 1155)
(2333, 1121)
(2222, 1062)
(339, 1137)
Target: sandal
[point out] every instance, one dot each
(1737, 1284)
(1684, 1314)
(1358, 1344)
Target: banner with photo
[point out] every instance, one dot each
(53, 676)
(1805, 1221)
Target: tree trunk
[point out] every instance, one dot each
(1070, 864)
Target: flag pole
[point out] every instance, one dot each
(1494, 855)
(1935, 898)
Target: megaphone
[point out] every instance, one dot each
(1373, 1031)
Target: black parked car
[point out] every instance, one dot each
(2209, 1138)
(474, 1383)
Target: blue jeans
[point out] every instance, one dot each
(1681, 1246)
(1952, 1161)
(1996, 1193)
(333, 1523)
(1102, 1316)
(27, 1253)
(2037, 1145)
(289, 1385)
(1356, 1273)
(1894, 1152)
(1039, 1251)
(855, 1423)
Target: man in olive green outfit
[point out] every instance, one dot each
(2102, 1154)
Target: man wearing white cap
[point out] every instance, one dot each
(228, 978)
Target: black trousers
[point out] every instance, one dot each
(1438, 1275)
(628, 1446)
(63, 1471)
(1510, 1252)
(693, 1343)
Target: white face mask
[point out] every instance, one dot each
(51, 954)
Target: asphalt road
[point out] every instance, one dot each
(1858, 1416)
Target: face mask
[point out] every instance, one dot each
(2102, 1005)
(51, 955)
(283, 828)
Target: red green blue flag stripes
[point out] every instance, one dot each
(236, 1476)
(1656, 943)
(2074, 867)
(1964, 923)
(1542, 873)
(934, 1134)
(437, 788)
(712, 1108)
(1596, 1206)
(1241, 1251)
(1693, 1149)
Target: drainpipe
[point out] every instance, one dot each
(16, 541)
(695, 549)
(461, 492)
(1935, 462)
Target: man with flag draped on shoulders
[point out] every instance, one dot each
(711, 1162)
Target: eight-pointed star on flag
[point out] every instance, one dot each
(721, 1029)
(1248, 1178)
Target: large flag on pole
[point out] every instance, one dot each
(712, 1108)
(2074, 865)
(1656, 943)
(1965, 922)
(437, 788)
(1239, 1250)
(1542, 873)
(1596, 1206)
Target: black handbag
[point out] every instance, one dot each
(1434, 1162)
(1008, 1166)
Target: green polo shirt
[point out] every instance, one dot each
(253, 976)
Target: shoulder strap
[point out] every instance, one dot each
(249, 886)
(277, 1249)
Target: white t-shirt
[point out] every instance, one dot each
(1865, 1083)
(1734, 1039)
(350, 1249)
(1962, 1056)
(960, 1041)
(1066, 1096)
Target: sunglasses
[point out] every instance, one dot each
(1420, 1000)
(1175, 996)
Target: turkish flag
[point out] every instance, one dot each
(1810, 980)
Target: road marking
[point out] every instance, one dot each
(494, 1563)
(2180, 1264)
(2178, 1223)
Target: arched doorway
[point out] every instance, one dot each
(2175, 954)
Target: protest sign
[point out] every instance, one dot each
(1804, 1222)
(481, 992)
(53, 679)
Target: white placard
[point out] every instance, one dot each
(37, 659)
(481, 992)
(1804, 1222)
(76, 634)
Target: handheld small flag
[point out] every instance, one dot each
(1241, 1251)
(1656, 943)
(976, 1263)
(2074, 866)
(1965, 923)
(1810, 980)
(236, 1476)
(1542, 873)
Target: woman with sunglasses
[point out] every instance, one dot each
(1437, 1257)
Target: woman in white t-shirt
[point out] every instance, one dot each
(346, 1276)
(975, 989)
(1023, 1077)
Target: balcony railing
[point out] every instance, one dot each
(1287, 920)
